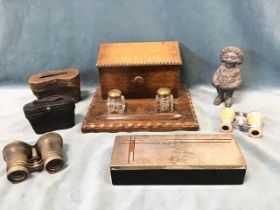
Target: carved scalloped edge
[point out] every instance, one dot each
(140, 124)
(191, 105)
(97, 126)
(115, 127)
(130, 64)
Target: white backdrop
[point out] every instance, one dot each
(86, 184)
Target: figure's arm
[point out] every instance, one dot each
(236, 80)
(215, 77)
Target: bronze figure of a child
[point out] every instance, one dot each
(227, 78)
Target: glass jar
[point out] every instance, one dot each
(164, 100)
(115, 102)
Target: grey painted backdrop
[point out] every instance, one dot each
(37, 35)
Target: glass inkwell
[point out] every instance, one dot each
(164, 100)
(115, 102)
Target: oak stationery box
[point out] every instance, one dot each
(177, 159)
(139, 69)
(50, 113)
(56, 82)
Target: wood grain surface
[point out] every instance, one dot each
(139, 54)
(141, 115)
(152, 78)
(193, 151)
(139, 69)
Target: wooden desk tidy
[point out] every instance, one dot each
(138, 70)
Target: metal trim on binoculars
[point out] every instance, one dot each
(22, 158)
(240, 122)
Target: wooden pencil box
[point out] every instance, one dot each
(139, 69)
(177, 159)
(50, 113)
(56, 82)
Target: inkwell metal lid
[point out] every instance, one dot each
(164, 92)
(115, 93)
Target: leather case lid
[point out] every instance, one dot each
(49, 104)
(139, 54)
(45, 77)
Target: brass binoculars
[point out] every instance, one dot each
(22, 158)
(251, 122)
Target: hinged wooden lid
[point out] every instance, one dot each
(139, 54)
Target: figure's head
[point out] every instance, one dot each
(231, 55)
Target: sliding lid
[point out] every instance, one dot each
(49, 104)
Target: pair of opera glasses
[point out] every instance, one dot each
(22, 158)
(116, 101)
(251, 122)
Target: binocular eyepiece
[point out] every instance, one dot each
(22, 158)
(255, 119)
(227, 116)
(17, 155)
(50, 146)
